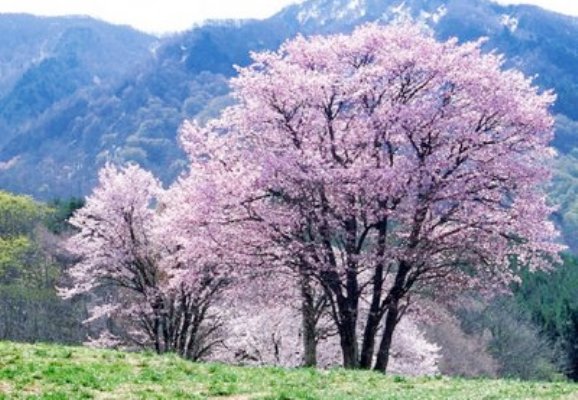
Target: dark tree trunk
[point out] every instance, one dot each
(309, 316)
(347, 333)
(157, 335)
(385, 346)
(396, 293)
(309, 346)
(375, 309)
(349, 351)
(369, 337)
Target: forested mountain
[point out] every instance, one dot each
(76, 93)
(45, 60)
(26, 41)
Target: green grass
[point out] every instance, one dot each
(44, 371)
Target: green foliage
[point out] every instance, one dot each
(49, 371)
(19, 214)
(61, 211)
(30, 310)
(552, 301)
(19, 251)
(12, 253)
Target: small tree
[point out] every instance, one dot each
(126, 254)
(385, 166)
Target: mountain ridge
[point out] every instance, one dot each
(54, 148)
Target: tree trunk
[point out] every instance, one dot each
(385, 345)
(309, 320)
(157, 335)
(399, 289)
(369, 339)
(348, 336)
(349, 351)
(375, 309)
(309, 347)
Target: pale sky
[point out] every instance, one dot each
(176, 15)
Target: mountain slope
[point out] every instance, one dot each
(45, 60)
(25, 40)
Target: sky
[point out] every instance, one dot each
(166, 16)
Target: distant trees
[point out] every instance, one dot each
(518, 346)
(552, 302)
(30, 266)
(61, 211)
(21, 258)
(373, 170)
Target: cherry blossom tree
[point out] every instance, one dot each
(385, 166)
(132, 262)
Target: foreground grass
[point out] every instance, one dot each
(57, 372)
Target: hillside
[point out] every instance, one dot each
(57, 372)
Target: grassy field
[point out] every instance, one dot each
(57, 372)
